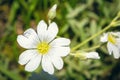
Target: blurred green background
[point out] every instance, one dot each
(77, 20)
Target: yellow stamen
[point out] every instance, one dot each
(43, 47)
(111, 39)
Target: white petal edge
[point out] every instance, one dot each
(57, 62)
(116, 52)
(116, 34)
(52, 31)
(104, 38)
(60, 42)
(47, 64)
(118, 42)
(92, 55)
(33, 63)
(113, 49)
(60, 51)
(26, 56)
(110, 47)
(29, 39)
(42, 30)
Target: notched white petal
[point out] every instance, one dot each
(116, 52)
(47, 64)
(57, 62)
(52, 31)
(110, 47)
(33, 63)
(42, 26)
(113, 49)
(42, 30)
(28, 40)
(26, 56)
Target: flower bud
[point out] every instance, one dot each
(52, 12)
(87, 55)
(92, 55)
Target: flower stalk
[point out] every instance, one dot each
(95, 35)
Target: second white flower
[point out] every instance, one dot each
(113, 43)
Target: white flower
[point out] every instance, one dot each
(43, 48)
(113, 43)
(87, 55)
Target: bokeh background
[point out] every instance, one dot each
(77, 20)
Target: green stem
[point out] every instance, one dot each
(95, 35)
(92, 48)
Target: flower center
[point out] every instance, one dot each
(111, 38)
(43, 47)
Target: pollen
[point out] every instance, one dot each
(111, 39)
(43, 47)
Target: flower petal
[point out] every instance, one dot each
(60, 51)
(104, 38)
(60, 42)
(110, 47)
(115, 34)
(116, 53)
(26, 56)
(52, 31)
(118, 42)
(47, 64)
(33, 63)
(42, 30)
(29, 39)
(57, 62)
(93, 55)
(114, 49)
